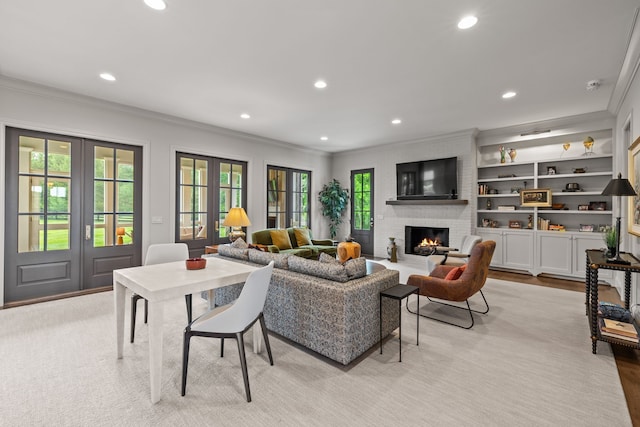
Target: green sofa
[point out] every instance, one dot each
(263, 237)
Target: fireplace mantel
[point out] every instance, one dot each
(428, 202)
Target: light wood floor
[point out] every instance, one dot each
(627, 359)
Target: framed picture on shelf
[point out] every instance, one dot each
(536, 197)
(515, 224)
(634, 179)
(583, 207)
(586, 227)
(551, 170)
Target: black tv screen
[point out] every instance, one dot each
(428, 179)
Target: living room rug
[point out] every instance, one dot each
(527, 362)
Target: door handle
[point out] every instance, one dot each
(87, 232)
(371, 223)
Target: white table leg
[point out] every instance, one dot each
(211, 298)
(119, 293)
(156, 320)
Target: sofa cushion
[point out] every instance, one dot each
(230, 251)
(239, 243)
(280, 238)
(265, 258)
(303, 237)
(324, 270)
(355, 268)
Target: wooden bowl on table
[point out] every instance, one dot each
(196, 263)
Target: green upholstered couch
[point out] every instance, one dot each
(263, 237)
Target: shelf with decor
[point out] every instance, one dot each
(554, 185)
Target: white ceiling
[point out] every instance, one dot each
(211, 60)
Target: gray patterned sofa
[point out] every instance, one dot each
(327, 307)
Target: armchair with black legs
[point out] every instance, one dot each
(457, 284)
(232, 321)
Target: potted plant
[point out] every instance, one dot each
(611, 240)
(334, 201)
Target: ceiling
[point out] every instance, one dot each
(211, 60)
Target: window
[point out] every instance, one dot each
(288, 196)
(207, 187)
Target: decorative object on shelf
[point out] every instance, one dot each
(634, 176)
(120, 232)
(236, 219)
(515, 224)
(557, 206)
(579, 170)
(512, 154)
(515, 190)
(536, 197)
(488, 204)
(588, 146)
(392, 250)
(565, 148)
(349, 249)
(551, 170)
(572, 186)
(502, 154)
(598, 206)
(610, 238)
(618, 187)
(530, 222)
(586, 227)
(333, 199)
(196, 263)
(602, 228)
(583, 207)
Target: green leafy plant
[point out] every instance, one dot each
(334, 200)
(610, 237)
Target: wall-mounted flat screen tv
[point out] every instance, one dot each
(428, 179)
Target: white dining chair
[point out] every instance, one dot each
(232, 321)
(160, 253)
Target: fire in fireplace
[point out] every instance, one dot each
(424, 240)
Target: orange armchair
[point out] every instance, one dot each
(470, 282)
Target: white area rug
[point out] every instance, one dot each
(528, 362)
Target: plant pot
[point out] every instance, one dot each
(611, 252)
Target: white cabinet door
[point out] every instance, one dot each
(581, 243)
(495, 235)
(518, 249)
(553, 253)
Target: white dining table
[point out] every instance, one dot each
(158, 283)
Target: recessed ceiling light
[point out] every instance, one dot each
(320, 84)
(108, 77)
(396, 121)
(245, 116)
(156, 4)
(509, 94)
(467, 22)
(324, 138)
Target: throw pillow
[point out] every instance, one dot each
(328, 258)
(453, 274)
(315, 268)
(280, 238)
(228, 250)
(302, 236)
(356, 268)
(239, 243)
(265, 258)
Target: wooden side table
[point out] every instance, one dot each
(595, 261)
(212, 249)
(400, 292)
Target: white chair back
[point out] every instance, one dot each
(245, 310)
(160, 253)
(468, 243)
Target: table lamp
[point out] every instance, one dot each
(618, 187)
(236, 219)
(120, 232)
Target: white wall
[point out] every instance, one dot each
(389, 219)
(34, 107)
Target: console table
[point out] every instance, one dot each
(596, 260)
